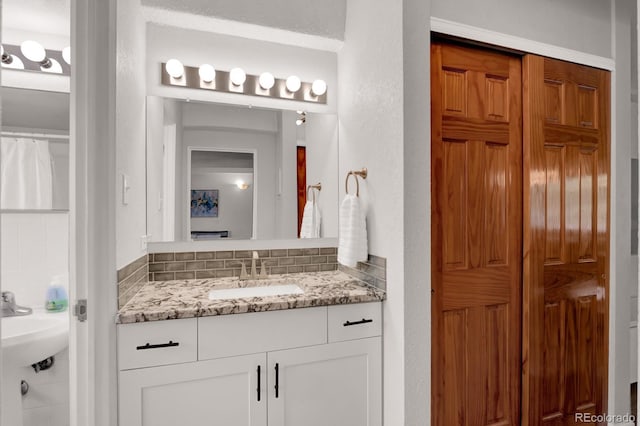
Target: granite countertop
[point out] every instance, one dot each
(163, 300)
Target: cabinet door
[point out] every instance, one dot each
(339, 384)
(223, 391)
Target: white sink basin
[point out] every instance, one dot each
(261, 291)
(32, 338)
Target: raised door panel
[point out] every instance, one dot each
(223, 391)
(338, 384)
(476, 244)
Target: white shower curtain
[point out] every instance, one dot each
(26, 178)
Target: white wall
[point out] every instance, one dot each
(35, 247)
(131, 218)
(286, 213)
(321, 141)
(325, 18)
(370, 107)
(582, 25)
(624, 269)
(226, 52)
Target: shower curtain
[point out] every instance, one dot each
(26, 178)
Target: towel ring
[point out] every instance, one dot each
(355, 173)
(317, 186)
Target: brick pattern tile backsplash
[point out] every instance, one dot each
(373, 271)
(220, 264)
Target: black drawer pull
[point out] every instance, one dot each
(160, 345)
(362, 321)
(258, 384)
(277, 386)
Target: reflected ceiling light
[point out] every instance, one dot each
(267, 80)
(207, 73)
(33, 51)
(242, 185)
(174, 68)
(66, 54)
(302, 118)
(293, 84)
(6, 58)
(237, 76)
(54, 67)
(319, 87)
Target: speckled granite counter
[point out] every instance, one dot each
(162, 300)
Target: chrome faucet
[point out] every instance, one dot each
(254, 270)
(9, 307)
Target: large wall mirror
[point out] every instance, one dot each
(229, 172)
(35, 150)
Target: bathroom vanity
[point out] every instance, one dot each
(312, 358)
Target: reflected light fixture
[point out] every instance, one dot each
(267, 80)
(237, 76)
(174, 68)
(319, 87)
(302, 118)
(207, 73)
(6, 58)
(242, 185)
(66, 54)
(33, 51)
(293, 83)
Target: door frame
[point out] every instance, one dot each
(519, 44)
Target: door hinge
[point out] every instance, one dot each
(80, 310)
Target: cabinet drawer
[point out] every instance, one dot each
(239, 334)
(356, 321)
(154, 343)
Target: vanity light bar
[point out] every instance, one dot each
(221, 82)
(16, 59)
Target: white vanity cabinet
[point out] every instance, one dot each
(310, 366)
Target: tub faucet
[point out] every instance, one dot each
(9, 307)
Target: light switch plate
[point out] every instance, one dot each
(125, 189)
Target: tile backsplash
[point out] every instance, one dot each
(220, 264)
(373, 271)
(131, 278)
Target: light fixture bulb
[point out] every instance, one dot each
(207, 73)
(53, 68)
(293, 84)
(6, 58)
(319, 87)
(242, 185)
(33, 51)
(14, 63)
(66, 54)
(238, 77)
(266, 80)
(174, 68)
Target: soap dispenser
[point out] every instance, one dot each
(57, 299)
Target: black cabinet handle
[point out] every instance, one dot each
(258, 383)
(362, 321)
(277, 386)
(160, 345)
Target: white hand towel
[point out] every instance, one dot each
(352, 244)
(311, 219)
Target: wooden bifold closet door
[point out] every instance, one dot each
(566, 227)
(520, 234)
(476, 196)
